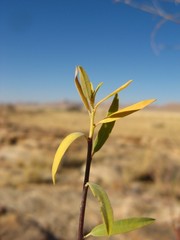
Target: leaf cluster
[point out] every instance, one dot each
(110, 226)
(88, 96)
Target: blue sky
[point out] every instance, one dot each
(42, 41)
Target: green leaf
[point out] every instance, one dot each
(127, 111)
(94, 92)
(106, 128)
(113, 93)
(61, 151)
(106, 209)
(120, 226)
(97, 88)
(85, 83)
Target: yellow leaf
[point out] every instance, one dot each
(113, 93)
(83, 98)
(127, 111)
(85, 83)
(62, 149)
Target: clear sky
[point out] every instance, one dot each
(42, 41)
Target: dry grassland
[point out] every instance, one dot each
(139, 166)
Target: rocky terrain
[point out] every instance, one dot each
(139, 167)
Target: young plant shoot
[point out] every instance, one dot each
(109, 226)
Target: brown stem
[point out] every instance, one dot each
(84, 191)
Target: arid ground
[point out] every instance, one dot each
(139, 166)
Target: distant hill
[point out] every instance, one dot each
(175, 107)
(73, 106)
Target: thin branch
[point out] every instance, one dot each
(155, 7)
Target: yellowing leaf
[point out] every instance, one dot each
(113, 93)
(85, 83)
(83, 98)
(106, 209)
(106, 128)
(120, 226)
(61, 151)
(127, 111)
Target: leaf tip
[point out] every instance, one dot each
(53, 179)
(152, 100)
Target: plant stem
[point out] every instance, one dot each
(85, 190)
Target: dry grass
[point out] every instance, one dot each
(139, 163)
